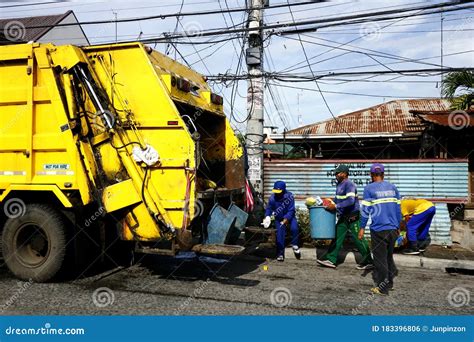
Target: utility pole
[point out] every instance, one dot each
(254, 59)
(442, 43)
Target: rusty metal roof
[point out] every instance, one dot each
(458, 118)
(386, 118)
(29, 34)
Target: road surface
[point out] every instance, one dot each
(243, 286)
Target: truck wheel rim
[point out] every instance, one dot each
(31, 245)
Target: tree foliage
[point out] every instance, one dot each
(458, 87)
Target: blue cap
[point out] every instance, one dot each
(377, 168)
(279, 187)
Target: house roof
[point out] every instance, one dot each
(392, 117)
(458, 118)
(30, 31)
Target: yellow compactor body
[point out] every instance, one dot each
(110, 142)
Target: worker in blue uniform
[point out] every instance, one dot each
(282, 205)
(381, 203)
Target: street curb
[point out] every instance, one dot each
(416, 261)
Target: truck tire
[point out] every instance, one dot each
(34, 244)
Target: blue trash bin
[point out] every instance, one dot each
(322, 223)
(219, 223)
(234, 233)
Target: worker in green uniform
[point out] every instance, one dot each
(347, 207)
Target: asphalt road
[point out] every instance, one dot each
(247, 286)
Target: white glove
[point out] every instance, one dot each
(266, 222)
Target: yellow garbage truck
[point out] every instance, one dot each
(111, 142)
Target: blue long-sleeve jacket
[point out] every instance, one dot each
(283, 208)
(346, 198)
(382, 203)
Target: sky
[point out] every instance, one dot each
(415, 38)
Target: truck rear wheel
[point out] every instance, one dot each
(34, 244)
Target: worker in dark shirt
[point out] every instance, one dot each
(282, 205)
(347, 207)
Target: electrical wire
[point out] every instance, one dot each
(353, 20)
(320, 90)
(302, 78)
(308, 22)
(351, 93)
(336, 21)
(352, 12)
(125, 145)
(285, 108)
(34, 4)
(235, 85)
(370, 55)
(168, 15)
(391, 63)
(92, 38)
(217, 48)
(175, 27)
(344, 44)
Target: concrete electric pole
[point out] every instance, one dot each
(254, 59)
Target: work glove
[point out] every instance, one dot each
(266, 222)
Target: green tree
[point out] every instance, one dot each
(458, 87)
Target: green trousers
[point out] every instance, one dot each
(343, 225)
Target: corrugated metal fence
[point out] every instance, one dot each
(441, 181)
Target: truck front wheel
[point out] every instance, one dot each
(34, 244)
